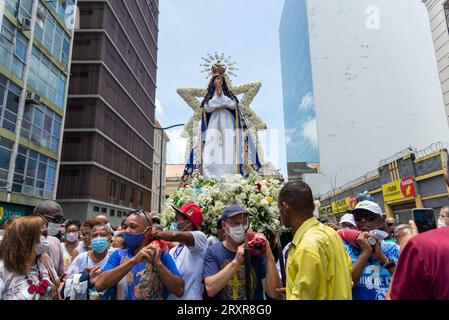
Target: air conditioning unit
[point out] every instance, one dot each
(33, 97)
(25, 23)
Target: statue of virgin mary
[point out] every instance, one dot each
(225, 143)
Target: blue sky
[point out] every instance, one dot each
(248, 31)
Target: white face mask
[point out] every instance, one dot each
(237, 233)
(441, 223)
(43, 246)
(72, 236)
(53, 228)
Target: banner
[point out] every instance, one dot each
(399, 189)
(341, 205)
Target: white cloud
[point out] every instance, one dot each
(309, 131)
(307, 102)
(176, 146)
(290, 135)
(159, 108)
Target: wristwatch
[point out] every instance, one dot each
(389, 264)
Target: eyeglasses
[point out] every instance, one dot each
(390, 224)
(138, 212)
(368, 216)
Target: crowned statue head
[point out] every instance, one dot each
(218, 68)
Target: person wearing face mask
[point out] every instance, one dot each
(53, 215)
(189, 253)
(26, 271)
(443, 218)
(373, 263)
(141, 271)
(104, 220)
(71, 245)
(224, 268)
(318, 267)
(87, 265)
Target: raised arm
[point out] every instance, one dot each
(215, 283)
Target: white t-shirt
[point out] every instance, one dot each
(83, 261)
(189, 261)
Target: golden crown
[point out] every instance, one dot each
(218, 65)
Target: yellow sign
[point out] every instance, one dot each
(399, 189)
(341, 205)
(2, 211)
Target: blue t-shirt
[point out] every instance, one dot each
(217, 257)
(119, 256)
(375, 280)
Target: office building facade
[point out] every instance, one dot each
(375, 83)
(297, 86)
(439, 25)
(35, 46)
(107, 153)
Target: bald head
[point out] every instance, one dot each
(50, 210)
(401, 232)
(102, 219)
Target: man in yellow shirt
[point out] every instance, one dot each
(318, 267)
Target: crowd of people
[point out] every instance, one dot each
(366, 256)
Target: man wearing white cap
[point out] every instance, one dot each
(374, 260)
(347, 221)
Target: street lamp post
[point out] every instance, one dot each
(162, 160)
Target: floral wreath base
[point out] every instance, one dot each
(258, 195)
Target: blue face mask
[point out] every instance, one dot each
(133, 241)
(99, 245)
(174, 226)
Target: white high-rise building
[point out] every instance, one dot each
(375, 81)
(439, 24)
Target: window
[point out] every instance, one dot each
(34, 174)
(112, 213)
(13, 48)
(9, 104)
(96, 209)
(52, 36)
(42, 126)
(141, 199)
(5, 156)
(104, 210)
(131, 196)
(119, 214)
(113, 188)
(123, 192)
(46, 78)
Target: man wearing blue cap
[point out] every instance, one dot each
(224, 269)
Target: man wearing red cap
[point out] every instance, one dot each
(189, 253)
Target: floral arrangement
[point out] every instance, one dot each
(258, 195)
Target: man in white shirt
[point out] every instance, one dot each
(189, 253)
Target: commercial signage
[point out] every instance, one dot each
(341, 205)
(399, 189)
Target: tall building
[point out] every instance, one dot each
(35, 47)
(297, 86)
(375, 82)
(159, 168)
(108, 146)
(439, 25)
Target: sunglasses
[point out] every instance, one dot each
(390, 224)
(138, 212)
(368, 216)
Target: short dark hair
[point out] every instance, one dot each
(73, 223)
(299, 197)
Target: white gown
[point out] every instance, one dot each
(219, 153)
